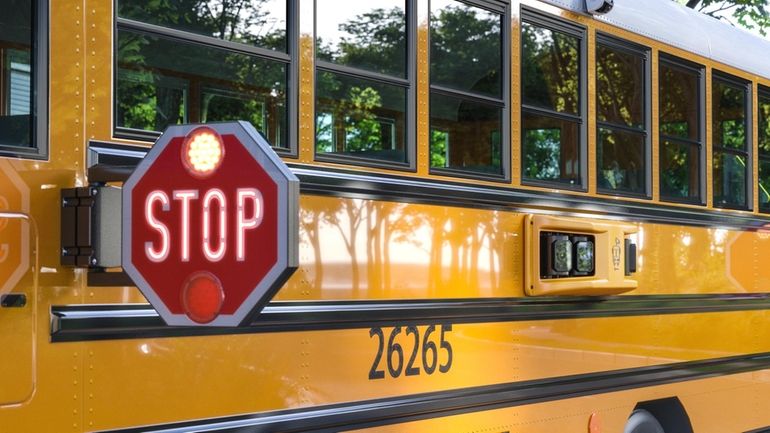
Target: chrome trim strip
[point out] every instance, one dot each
(122, 321)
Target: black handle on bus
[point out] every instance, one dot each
(13, 300)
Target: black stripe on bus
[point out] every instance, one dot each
(112, 162)
(394, 410)
(760, 430)
(119, 321)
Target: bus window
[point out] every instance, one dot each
(16, 75)
(251, 22)
(467, 100)
(764, 149)
(552, 112)
(362, 81)
(623, 144)
(357, 108)
(731, 142)
(178, 64)
(681, 145)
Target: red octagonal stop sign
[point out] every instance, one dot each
(210, 224)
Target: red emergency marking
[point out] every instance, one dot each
(214, 201)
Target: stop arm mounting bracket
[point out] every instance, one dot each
(91, 215)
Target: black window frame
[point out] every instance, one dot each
(504, 9)
(289, 58)
(39, 57)
(763, 92)
(645, 53)
(747, 85)
(553, 23)
(409, 83)
(699, 70)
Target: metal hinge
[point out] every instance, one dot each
(90, 226)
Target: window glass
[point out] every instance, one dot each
(621, 152)
(477, 125)
(551, 149)
(680, 132)
(620, 156)
(729, 114)
(729, 180)
(359, 117)
(254, 22)
(552, 122)
(764, 125)
(163, 82)
(367, 35)
(467, 104)
(730, 157)
(16, 52)
(764, 151)
(679, 102)
(550, 69)
(362, 80)
(764, 185)
(620, 87)
(679, 167)
(466, 48)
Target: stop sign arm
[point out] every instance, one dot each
(240, 205)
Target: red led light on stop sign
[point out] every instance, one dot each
(202, 297)
(202, 152)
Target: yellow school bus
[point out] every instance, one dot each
(514, 216)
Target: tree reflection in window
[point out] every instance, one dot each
(730, 142)
(359, 117)
(17, 51)
(362, 80)
(374, 39)
(681, 142)
(551, 69)
(552, 116)
(764, 149)
(180, 72)
(254, 22)
(621, 92)
(162, 82)
(466, 80)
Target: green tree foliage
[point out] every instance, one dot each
(465, 49)
(374, 40)
(542, 147)
(466, 55)
(162, 82)
(751, 14)
(764, 126)
(245, 21)
(550, 66)
(348, 109)
(550, 80)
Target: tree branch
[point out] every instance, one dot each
(692, 3)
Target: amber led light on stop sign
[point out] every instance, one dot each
(202, 152)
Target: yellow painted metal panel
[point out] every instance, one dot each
(201, 377)
(361, 250)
